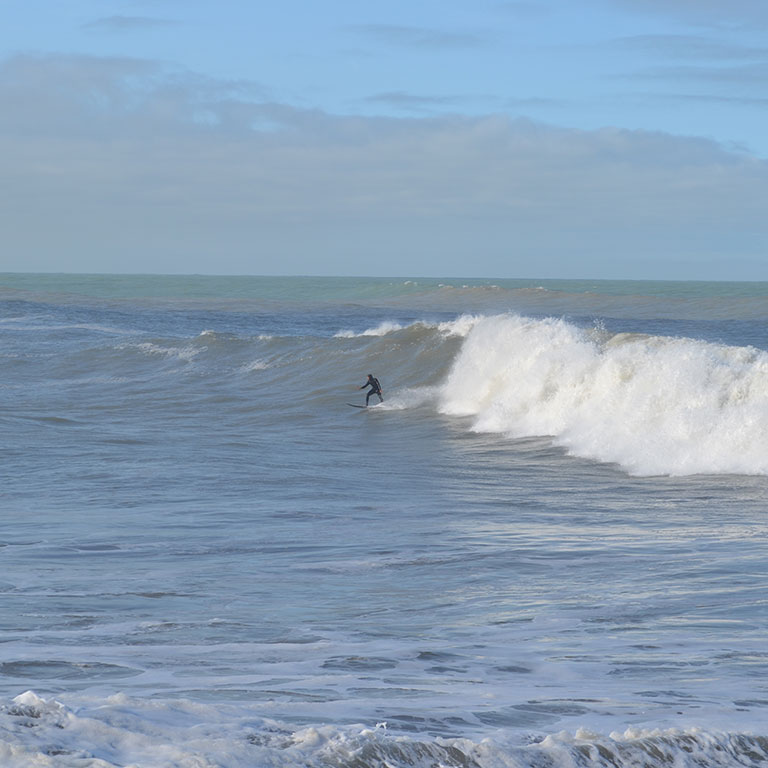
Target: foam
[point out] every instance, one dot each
(406, 399)
(255, 365)
(460, 327)
(380, 330)
(35, 732)
(184, 353)
(653, 404)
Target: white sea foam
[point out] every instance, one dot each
(35, 732)
(655, 405)
(461, 326)
(256, 365)
(185, 353)
(406, 399)
(380, 330)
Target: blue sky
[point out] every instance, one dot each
(541, 138)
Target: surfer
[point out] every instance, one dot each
(375, 388)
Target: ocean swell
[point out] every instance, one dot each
(653, 404)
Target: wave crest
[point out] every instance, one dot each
(461, 326)
(654, 405)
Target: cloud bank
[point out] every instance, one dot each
(123, 165)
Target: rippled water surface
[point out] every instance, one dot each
(547, 544)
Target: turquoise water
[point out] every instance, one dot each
(546, 547)
(340, 288)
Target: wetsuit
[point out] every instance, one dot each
(375, 389)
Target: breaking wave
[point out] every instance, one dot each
(653, 404)
(458, 327)
(123, 731)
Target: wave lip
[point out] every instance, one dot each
(461, 326)
(380, 330)
(654, 405)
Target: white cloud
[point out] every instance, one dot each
(414, 103)
(120, 165)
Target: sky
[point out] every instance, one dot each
(615, 139)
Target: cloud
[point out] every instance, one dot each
(417, 104)
(732, 101)
(724, 70)
(419, 37)
(80, 97)
(743, 77)
(127, 24)
(690, 47)
(735, 14)
(117, 164)
(410, 102)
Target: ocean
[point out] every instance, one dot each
(546, 548)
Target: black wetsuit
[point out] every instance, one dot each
(375, 389)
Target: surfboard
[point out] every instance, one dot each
(352, 405)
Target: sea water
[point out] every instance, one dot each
(547, 547)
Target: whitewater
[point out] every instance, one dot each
(653, 404)
(547, 547)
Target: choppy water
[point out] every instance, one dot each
(546, 548)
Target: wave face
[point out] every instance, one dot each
(653, 404)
